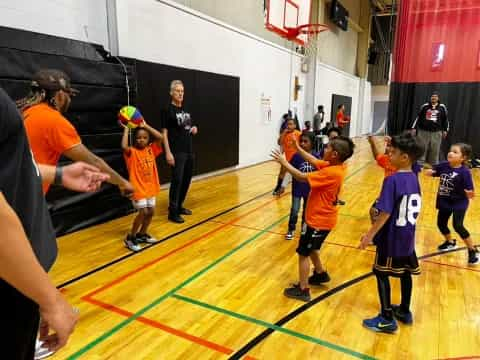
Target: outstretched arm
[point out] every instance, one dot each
(305, 154)
(373, 146)
(280, 158)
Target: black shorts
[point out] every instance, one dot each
(20, 319)
(395, 266)
(312, 240)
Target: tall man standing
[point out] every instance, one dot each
(178, 131)
(431, 126)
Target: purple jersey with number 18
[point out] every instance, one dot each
(401, 198)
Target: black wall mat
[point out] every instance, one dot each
(213, 101)
(462, 101)
(336, 101)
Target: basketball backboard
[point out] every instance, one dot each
(283, 14)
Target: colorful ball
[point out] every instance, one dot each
(130, 117)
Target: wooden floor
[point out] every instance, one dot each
(213, 288)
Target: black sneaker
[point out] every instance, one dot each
(176, 219)
(318, 278)
(132, 244)
(290, 235)
(279, 191)
(447, 245)
(295, 292)
(400, 315)
(472, 257)
(184, 211)
(146, 238)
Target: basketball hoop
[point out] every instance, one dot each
(310, 44)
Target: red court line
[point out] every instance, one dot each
(158, 325)
(176, 250)
(463, 358)
(450, 265)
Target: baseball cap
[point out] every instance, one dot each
(52, 79)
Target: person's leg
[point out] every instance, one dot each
(406, 289)
(138, 221)
(20, 320)
(147, 219)
(292, 222)
(442, 224)
(425, 139)
(435, 145)
(186, 180)
(317, 264)
(281, 175)
(303, 270)
(175, 185)
(458, 217)
(383, 286)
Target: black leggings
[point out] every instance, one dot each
(458, 216)
(383, 284)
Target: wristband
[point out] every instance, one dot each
(58, 176)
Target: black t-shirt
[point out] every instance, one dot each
(178, 122)
(21, 184)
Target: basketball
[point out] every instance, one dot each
(130, 116)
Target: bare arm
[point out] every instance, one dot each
(280, 158)
(375, 228)
(155, 133)
(373, 146)
(81, 153)
(166, 145)
(305, 154)
(125, 146)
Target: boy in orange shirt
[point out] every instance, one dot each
(322, 212)
(287, 140)
(142, 168)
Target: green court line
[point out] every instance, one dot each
(165, 296)
(305, 337)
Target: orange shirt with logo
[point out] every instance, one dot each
(288, 143)
(383, 160)
(49, 133)
(325, 185)
(142, 170)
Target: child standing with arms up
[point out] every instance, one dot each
(454, 192)
(300, 190)
(394, 234)
(321, 212)
(142, 168)
(287, 140)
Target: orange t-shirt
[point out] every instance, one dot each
(383, 161)
(49, 134)
(142, 169)
(288, 143)
(325, 185)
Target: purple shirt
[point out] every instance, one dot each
(299, 188)
(453, 183)
(401, 198)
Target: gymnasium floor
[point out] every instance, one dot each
(213, 288)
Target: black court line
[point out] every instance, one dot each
(113, 262)
(267, 332)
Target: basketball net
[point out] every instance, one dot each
(311, 45)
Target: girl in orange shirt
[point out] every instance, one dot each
(142, 169)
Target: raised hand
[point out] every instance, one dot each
(82, 177)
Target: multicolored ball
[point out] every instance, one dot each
(130, 117)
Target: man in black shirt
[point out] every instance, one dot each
(29, 248)
(178, 130)
(431, 126)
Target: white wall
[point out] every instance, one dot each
(168, 33)
(73, 19)
(331, 81)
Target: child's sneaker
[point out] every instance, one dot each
(318, 278)
(290, 235)
(132, 244)
(472, 257)
(380, 324)
(447, 245)
(295, 292)
(400, 315)
(147, 238)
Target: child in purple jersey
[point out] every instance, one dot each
(454, 192)
(300, 190)
(394, 234)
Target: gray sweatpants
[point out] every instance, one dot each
(432, 142)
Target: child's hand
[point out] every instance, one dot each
(430, 172)
(142, 124)
(470, 193)
(278, 156)
(365, 241)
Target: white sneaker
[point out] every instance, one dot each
(149, 239)
(41, 352)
